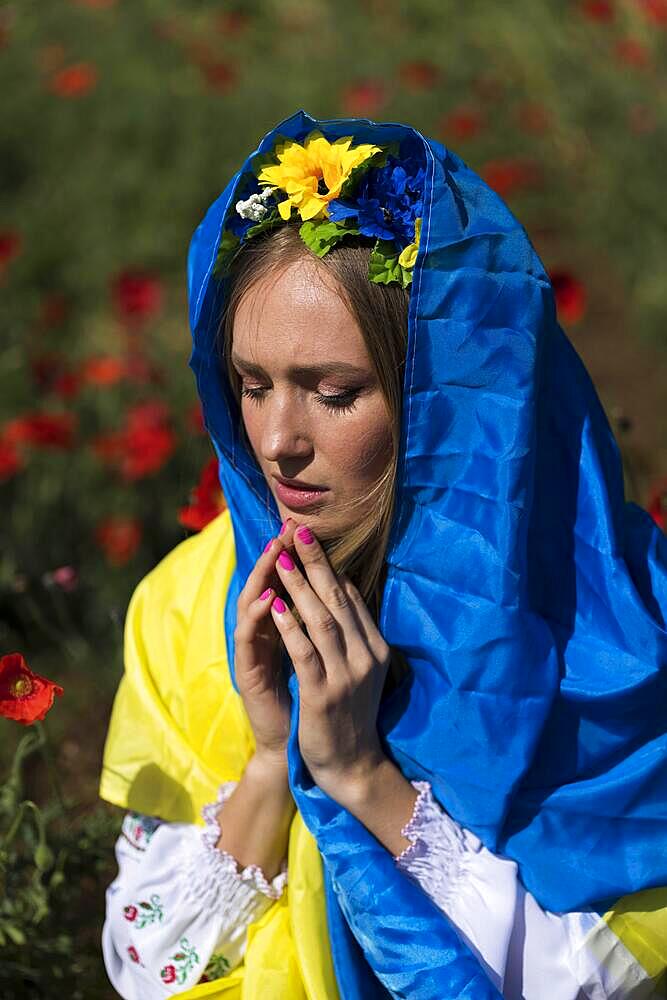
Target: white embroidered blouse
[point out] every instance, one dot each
(177, 912)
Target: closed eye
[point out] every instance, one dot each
(343, 402)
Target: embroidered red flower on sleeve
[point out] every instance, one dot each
(133, 953)
(25, 696)
(130, 912)
(168, 974)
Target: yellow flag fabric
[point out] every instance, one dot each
(178, 730)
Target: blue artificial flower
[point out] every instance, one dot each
(386, 203)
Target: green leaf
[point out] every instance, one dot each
(227, 250)
(383, 266)
(269, 221)
(320, 236)
(15, 933)
(372, 163)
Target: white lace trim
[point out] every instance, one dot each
(225, 863)
(437, 852)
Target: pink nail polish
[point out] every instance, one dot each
(268, 545)
(285, 561)
(305, 534)
(279, 606)
(283, 527)
(267, 593)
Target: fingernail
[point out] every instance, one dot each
(285, 561)
(283, 528)
(305, 535)
(279, 606)
(267, 593)
(268, 545)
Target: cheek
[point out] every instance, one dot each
(251, 420)
(366, 446)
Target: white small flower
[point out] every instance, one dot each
(254, 207)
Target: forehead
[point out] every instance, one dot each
(297, 312)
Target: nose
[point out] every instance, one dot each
(285, 432)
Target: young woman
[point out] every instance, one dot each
(424, 723)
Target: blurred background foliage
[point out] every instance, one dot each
(121, 122)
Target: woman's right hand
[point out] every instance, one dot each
(257, 656)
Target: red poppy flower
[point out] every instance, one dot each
(632, 52)
(511, 175)
(119, 538)
(206, 501)
(168, 974)
(51, 374)
(42, 430)
(570, 296)
(195, 419)
(102, 371)
(10, 460)
(418, 75)
(654, 10)
(74, 81)
(47, 370)
(462, 123)
(130, 913)
(219, 76)
(366, 97)
(657, 504)
(25, 696)
(143, 446)
(10, 246)
(598, 10)
(136, 297)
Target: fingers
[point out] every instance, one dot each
(263, 574)
(320, 581)
(307, 663)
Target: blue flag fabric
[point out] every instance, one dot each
(527, 596)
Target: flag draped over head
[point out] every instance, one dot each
(526, 595)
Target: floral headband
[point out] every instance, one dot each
(337, 190)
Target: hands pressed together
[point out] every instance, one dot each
(339, 656)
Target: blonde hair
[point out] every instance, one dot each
(382, 314)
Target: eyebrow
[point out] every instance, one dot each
(327, 368)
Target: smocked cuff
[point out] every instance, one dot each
(224, 864)
(439, 848)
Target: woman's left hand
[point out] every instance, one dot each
(341, 665)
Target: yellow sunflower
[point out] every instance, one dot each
(312, 175)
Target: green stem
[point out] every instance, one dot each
(48, 754)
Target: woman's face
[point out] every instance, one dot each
(311, 403)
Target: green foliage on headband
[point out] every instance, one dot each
(372, 163)
(383, 265)
(229, 247)
(270, 221)
(320, 236)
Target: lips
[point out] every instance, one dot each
(298, 484)
(297, 498)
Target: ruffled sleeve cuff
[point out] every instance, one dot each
(439, 848)
(222, 865)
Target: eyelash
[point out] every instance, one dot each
(343, 403)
